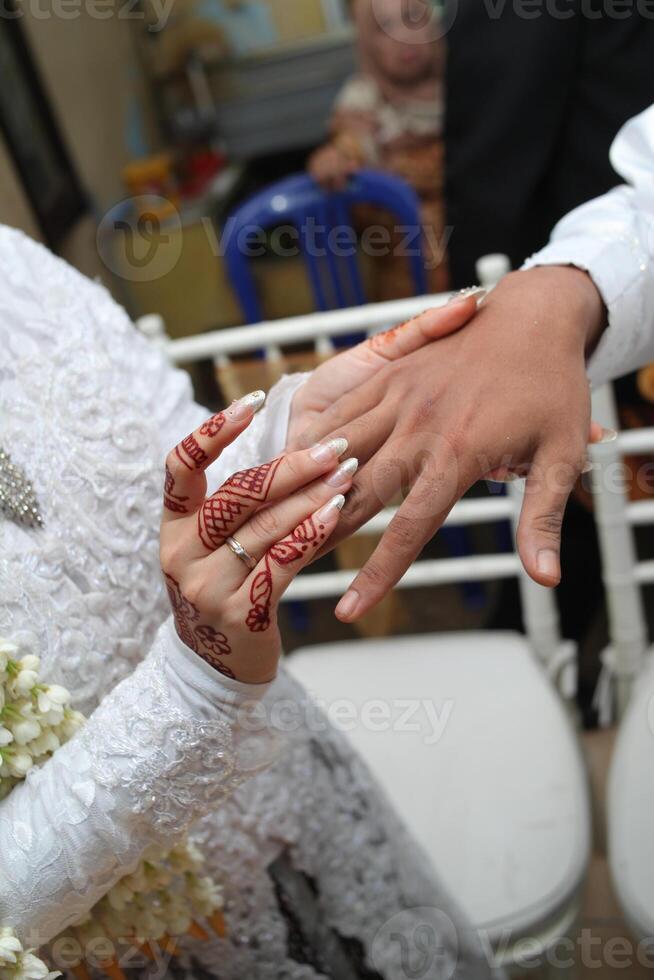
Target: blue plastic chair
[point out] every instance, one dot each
(317, 217)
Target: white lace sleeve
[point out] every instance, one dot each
(612, 238)
(169, 742)
(167, 745)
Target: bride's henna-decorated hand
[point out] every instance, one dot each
(281, 512)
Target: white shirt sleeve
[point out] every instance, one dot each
(612, 238)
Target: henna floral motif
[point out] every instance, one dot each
(213, 426)
(172, 501)
(258, 617)
(206, 641)
(191, 453)
(221, 514)
(307, 535)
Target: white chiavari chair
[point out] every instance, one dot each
(626, 687)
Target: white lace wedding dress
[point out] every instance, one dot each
(313, 861)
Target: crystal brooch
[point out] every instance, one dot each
(18, 501)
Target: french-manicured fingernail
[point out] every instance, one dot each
(344, 473)
(608, 435)
(348, 604)
(337, 503)
(246, 406)
(474, 292)
(324, 451)
(547, 563)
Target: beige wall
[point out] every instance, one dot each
(91, 72)
(296, 20)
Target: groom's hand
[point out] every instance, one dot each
(508, 390)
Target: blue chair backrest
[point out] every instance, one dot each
(325, 236)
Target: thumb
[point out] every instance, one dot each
(433, 324)
(548, 487)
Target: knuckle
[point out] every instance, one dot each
(354, 511)
(548, 525)
(232, 615)
(196, 592)
(359, 428)
(401, 532)
(316, 496)
(173, 463)
(293, 466)
(373, 573)
(171, 557)
(264, 523)
(574, 451)
(460, 441)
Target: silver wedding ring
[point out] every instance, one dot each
(237, 548)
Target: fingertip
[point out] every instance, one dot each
(330, 512)
(448, 318)
(244, 409)
(544, 568)
(596, 431)
(346, 610)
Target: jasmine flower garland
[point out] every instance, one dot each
(166, 893)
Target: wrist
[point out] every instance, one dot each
(571, 292)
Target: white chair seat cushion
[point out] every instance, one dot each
(490, 781)
(631, 807)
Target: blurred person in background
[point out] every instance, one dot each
(389, 117)
(535, 97)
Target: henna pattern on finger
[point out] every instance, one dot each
(253, 484)
(213, 426)
(204, 640)
(258, 617)
(216, 519)
(172, 501)
(221, 514)
(381, 340)
(306, 536)
(191, 453)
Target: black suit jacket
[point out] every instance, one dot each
(533, 107)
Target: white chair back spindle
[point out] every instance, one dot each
(623, 574)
